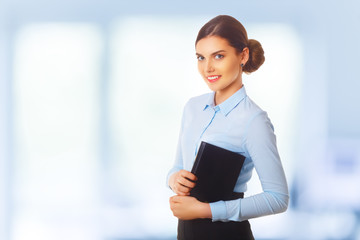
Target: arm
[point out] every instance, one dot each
(260, 143)
(179, 180)
(178, 164)
(183, 206)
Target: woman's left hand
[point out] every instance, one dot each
(187, 208)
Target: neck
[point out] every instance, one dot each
(222, 95)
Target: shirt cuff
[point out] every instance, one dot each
(218, 211)
(171, 172)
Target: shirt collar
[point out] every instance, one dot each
(229, 104)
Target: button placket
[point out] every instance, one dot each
(216, 110)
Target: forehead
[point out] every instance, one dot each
(212, 44)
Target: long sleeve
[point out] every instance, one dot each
(260, 144)
(178, 164)
(239, 125)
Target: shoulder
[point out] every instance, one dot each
(255, 115)
(248, 109)
(258, 119)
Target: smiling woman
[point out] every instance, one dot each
(222, 37)
(228, 118)
(221, 69)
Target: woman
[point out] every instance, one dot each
(228, 118)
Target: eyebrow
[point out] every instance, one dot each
(214, 53)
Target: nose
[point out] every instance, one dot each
(209, 67)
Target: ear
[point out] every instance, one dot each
(244, 55)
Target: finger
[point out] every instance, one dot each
(183, 193)
(173, 199)
(187, 183)
(188, 175)
(173, 206)
(182, 188)
(180, 193)
(176, 199)
(172, 203)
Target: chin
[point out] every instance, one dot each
(214, 87)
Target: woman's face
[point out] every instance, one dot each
(219, 65)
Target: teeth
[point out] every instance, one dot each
(212, 78)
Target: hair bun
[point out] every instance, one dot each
(256, 56)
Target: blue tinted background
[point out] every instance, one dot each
(77, 102)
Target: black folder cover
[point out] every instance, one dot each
(217, 170)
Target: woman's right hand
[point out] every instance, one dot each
(182, 182)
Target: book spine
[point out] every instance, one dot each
(198, 157)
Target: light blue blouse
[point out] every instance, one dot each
(239, 125)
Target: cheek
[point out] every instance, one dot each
(233, 69)
(200, 68)
(230, 66)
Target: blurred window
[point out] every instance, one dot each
(56, 117)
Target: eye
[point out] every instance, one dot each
(219, 56)
(200, 58)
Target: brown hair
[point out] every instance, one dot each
(234, 32)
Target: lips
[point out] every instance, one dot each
(213, 78)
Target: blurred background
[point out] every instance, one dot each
(91, 96)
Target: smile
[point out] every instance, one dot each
(213, 78)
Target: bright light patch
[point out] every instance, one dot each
(56, 78)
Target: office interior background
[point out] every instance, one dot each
(91, 96)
